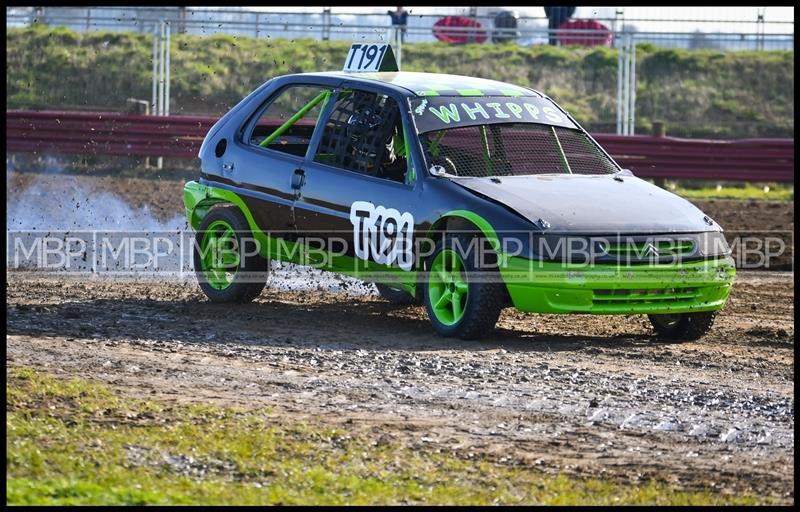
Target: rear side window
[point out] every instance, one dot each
(514, 149)
(288, 122)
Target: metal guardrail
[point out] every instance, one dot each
(729, 160)
(104, 133)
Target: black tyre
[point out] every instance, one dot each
(226, 259)
(395, 295)
(683, 326)
(461, 298)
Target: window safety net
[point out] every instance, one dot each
(514, 149)
(357, 132)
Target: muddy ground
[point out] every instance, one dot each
(594, 396)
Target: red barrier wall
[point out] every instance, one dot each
(104, 133)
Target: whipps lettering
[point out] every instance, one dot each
(384, 234)
(437, 113)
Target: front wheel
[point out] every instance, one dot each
(683, 326)
(461, 300)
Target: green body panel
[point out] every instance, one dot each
(534, 286)
(199, 198)
(470, 92)
(545, 287)
(197, 201)
(437, 84)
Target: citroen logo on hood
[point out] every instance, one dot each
(651, 251)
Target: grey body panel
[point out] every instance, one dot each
(573, 203)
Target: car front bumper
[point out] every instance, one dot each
(546, 287)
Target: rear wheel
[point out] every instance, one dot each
(683, 326)
(226, 259)
(395, 295)
(461, 300)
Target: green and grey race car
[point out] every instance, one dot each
(463, 194)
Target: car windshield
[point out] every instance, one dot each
(514, 149)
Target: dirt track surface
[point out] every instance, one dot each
(594, 396)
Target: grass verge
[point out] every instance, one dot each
(77, 442)
(697, 93)
(749, 191)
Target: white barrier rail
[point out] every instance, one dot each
(744, 35)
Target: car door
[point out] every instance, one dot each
(359, 192)
(276, 138)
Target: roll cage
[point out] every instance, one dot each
(328, 98)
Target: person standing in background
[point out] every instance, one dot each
(555, 17)
(400, 18)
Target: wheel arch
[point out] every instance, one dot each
(199, 199)
(201, 210)
(465, 221)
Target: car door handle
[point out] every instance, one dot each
(227, 168)
(298, 179)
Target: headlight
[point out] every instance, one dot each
(713, 243)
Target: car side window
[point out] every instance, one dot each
(287, 123)
(364, 133)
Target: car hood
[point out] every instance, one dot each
(592, 203)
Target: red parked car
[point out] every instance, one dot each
(577, 32)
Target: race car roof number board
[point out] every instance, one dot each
(370, 58)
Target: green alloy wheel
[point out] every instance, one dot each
(447, 287)
(220, 260)
(226, 261)
(458, 303)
